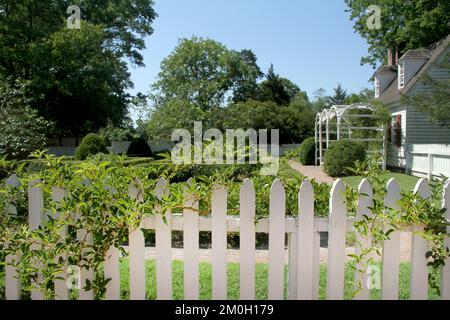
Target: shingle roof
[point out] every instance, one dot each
(392, 93)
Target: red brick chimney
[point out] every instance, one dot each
(393, 57)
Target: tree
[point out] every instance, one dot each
(366, 95)
(339, 97)
(435, 100)
(203, 71)
(273, 88)
(79, 95)
(320, 101)
(404, 25)
(78, 75)
(246, 87)
(21, 129)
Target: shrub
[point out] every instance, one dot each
(341, 155)
(90, 145)
(139, 148)
(307, 152)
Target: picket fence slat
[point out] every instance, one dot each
(445, 276)
(336, 243)
(112, 271)
(292, 266)
(305, 263)
(276, 241)
(219, 244)
(163, 247)
(247, 253)
(391, 248)
(35, 215)
(365, 202)
(12, 282)
(191, 250)
(62, 291)
(419, 247)
(303, 245)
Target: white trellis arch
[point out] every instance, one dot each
(333, 124)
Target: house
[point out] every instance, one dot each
(417, 145)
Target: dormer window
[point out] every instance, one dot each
(401, 75)
(377, 87)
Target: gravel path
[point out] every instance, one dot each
(312, 172)
(262, 256)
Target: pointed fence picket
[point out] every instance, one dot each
(445, 276)
(247, 241)
(163, 247)
(304, 245)
(336, 243)
(219, 243)
(12, 281)
(365, 202)
(391, 248)
(419, 248)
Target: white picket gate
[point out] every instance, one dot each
(304, 246)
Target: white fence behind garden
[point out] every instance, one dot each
(304, 246)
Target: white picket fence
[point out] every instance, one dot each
(304, 247)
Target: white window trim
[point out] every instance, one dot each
(401, 75)
(377, 87)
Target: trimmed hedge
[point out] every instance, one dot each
(341, 155)
(90, 145)
(307, 150)
(139, 148)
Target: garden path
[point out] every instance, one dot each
(312, 172)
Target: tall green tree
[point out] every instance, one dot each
(273, 88)
(339, 97)
(203, 72)
(404, 25)
(74, 74)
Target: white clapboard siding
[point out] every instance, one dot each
(35, 216)
(391, 248)
(191, 250)
(219, 243)
(445, 277)
(247, 253)
(305, 256)
(365, 202)
(276, 240)
(419, 270)
(163, 247)
(62, 291)
(12, 282)
(136, 254)
(85, 274)
(336, 242)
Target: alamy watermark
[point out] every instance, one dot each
(209, 147)
(74, 21)
(374, 20)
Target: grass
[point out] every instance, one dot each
(406, 182)
(261, 281)
(233, 281)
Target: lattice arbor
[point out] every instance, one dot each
(353, 122)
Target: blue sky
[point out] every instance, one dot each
(310, 42)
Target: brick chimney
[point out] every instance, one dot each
(393, 57)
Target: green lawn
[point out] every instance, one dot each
(233, 281)
(406, 182)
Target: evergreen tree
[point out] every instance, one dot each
(339, 97)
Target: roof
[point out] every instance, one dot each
(392, 93)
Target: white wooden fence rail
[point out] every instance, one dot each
(303, 249)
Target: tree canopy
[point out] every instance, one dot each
(204, 71)
(404, 25)
(77, 77)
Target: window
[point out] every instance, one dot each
(377, 87)
(395, 134)
(401, 75)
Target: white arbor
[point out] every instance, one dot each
(340, 122)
